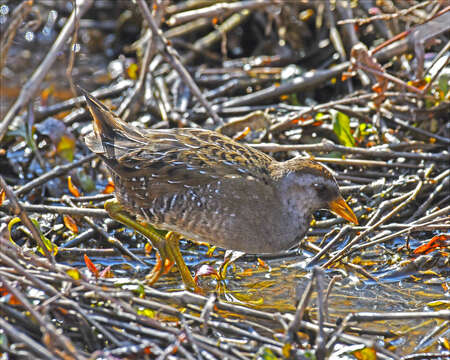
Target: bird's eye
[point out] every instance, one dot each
(320, 188)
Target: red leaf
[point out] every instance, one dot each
(438, 241)
(90, 265)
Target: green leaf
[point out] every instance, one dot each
(443, 83)
(341, 127)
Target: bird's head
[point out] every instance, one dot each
(310, 186)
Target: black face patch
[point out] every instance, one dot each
(326, 192)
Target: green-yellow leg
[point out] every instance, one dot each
(173, 249)
(166, 245)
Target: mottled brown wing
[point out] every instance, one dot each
(149, 163)
(184, 157)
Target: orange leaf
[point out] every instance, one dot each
(262, 263)
(2, 196)
(14, 301)
(436, 242)
(148, 249)
(109, 188)
(3, 291)
(247, 272)
(62, 310)
(72, 188)
(70, 223)
(365, 354)
(90, 265)
(377, 88)
(243, 134)
(167, 266)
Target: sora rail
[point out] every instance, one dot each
(206, 187)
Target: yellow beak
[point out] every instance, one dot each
(340, 207)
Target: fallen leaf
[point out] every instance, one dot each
(70, 223)
(90, 265)
(437, 241)
(72, 188)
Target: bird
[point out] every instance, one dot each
(203, 186)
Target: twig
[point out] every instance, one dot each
(17, 210)
(32, 85)
(172, 57)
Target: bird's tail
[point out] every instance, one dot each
(109, 129)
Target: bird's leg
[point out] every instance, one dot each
(173, 249)
(156, 237)
(166, 244)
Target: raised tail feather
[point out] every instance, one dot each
(109, 130)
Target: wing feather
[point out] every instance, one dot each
(150, 163)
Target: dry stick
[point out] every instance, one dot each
(390, 117)
(315, 108)
(220, 9)
(16, 208)
(429, 355)
(190, 339)
(335, 36)
(206, 312)
(344, 230)
(320, 337)
(32, 85)
(391, 78)
(21, 337)
(412, 227)
(436, 74)
(110, 91)
(405, 315)
(98, 197)
(309, 80)
(215, 36)
(110, 239)
(294, 324)
(394, 211)
(423, 207)
(93, 322)
(56, 171)
(47, 327)
(38, 283)
(385, 205)
(356, 162)
(313, 79)
(436, 58)
(333, 281)
(44, 209)
(188, 298)
(404, 12)
(138, 88)
(339, 332)
(72, 51)
(329, 146)
(19, 14)
(172, 57)
(432, 334)
(353, 267)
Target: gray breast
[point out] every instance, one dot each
(231, 213)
